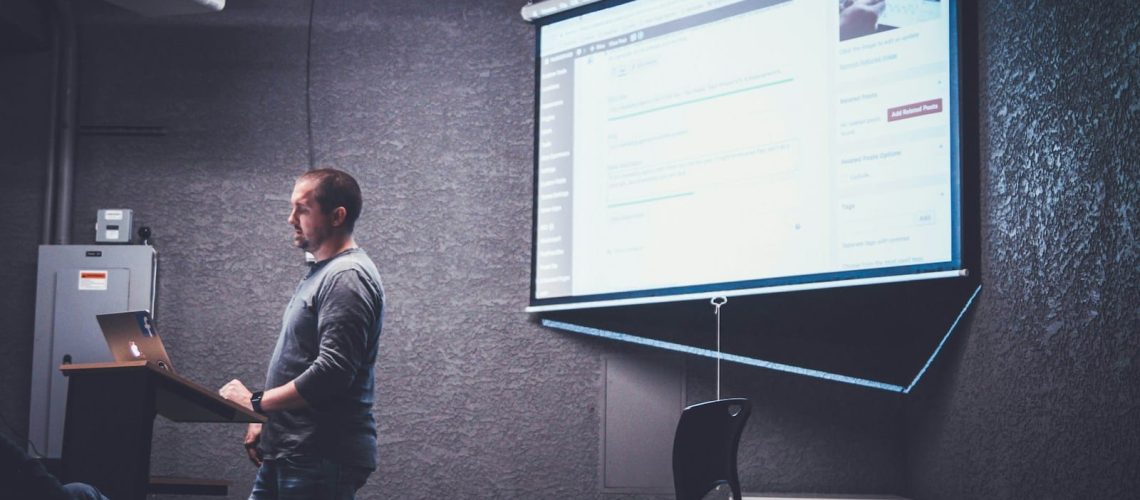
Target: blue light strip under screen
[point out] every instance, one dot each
(744, 360)
(946, 337)
(760, 363)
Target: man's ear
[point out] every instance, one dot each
(338, 216)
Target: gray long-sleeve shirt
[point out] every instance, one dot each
(329, 338)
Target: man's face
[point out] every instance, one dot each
(311, 226)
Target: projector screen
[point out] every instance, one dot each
(688, 149)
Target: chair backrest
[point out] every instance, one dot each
(704, 447)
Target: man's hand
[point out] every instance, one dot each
(235, 391)
(252, 437)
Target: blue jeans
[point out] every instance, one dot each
(307, 478)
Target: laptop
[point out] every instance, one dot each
(132, 337)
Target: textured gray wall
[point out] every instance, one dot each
(429, 104)
(1041, 397)
(23, 148)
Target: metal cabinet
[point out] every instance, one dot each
(74, 283)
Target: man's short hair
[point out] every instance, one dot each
(336, 189)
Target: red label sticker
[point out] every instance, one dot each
(93, 280)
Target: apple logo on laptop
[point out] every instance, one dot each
(135, 350)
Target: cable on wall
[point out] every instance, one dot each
(308, 84)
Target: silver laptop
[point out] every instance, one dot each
(132, 337)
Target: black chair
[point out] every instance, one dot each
(704, 447)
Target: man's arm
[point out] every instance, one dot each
(281, 398)
(346, 317)
(285, 397)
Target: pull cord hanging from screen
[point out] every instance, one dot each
(717, 302)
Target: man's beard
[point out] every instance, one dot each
(300, 241)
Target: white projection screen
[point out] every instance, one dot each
(697, 148)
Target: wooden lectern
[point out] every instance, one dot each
(110, 417)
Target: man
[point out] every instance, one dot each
(320, 438)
